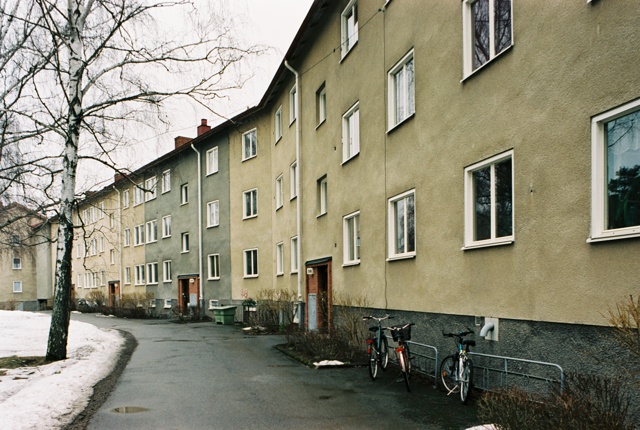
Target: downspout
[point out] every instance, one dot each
(201, 298)
(121, 280)
(299, 190)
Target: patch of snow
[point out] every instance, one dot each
(325, 363)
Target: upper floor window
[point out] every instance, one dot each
(166, 181)
(17, 263)
(213, 214)
(294, 254)
(250, 203)
(488, 31)
(615, 144)
(351, 231)
(249, 144)
(401, 91)
(151, 186)
(489, 202)
(293, 104)
(322, 195)
(279, 192)
(402, 225)
(185, 242)
(127, 237)
(278, 124)
(349, 27)
(212, 160)
(125, 199)
(138, 235)
(351, 133)
(184, 194)
(166, 226)
(213, 266)
(321, 104)
(138, 194)
(101, 210)
(127, 275)
(293, 174)
(152, 231)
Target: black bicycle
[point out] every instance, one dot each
(456, 370)
(377, 346)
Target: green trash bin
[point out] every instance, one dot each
(225, 314)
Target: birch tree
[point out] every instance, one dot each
(74, 76)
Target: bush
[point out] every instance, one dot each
(274, 309)
(626, 319)
(587, 402)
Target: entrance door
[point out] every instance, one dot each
(188, 295)
(319, 296)
(114, 293)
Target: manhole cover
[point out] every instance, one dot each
(129, 410)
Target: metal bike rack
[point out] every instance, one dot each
(424, 359)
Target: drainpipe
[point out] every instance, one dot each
(299, 198)
(201, 298)
(120, 245)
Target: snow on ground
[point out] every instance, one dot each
(50, 396)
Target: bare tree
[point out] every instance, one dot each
(73, 76)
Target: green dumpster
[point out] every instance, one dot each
(225, 314)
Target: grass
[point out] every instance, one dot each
(15, 362)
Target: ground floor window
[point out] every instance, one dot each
(250, 263)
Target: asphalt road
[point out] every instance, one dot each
(208, 376)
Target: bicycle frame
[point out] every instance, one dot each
(457, 370)
(377, 346)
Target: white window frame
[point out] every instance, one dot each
(278, 124)
(166, 271)
(407, 90)
(599, 191)
(468, 36)
(166, 226)
(321, 104)
(406, 253)
(351, 239)
(293, 175)
(127, 237)
(138, 194)
(323, 195)
(151, 231)
(469, 204)
(348, 28)
(213, 214)
(166, 181)
(279, 192)
(17, 266)
(125, 199)
(279, 259)
(185, 244)
(17, 287)
(138, 235)
(101, 244)
(251, 254)
(101, 210)
(212, 161)
(152, 273)
(151, 185)
(293, 104)
(112, 256)
(127, 275)
(184, 194)
(251, 138)
(294, 254)
(140, 274)
(351, 133)
(250, 209)
(103, 278)
(213, 267)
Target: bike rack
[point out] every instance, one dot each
(421, 359)
(520, 370)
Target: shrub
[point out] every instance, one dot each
(274, 309)
(626, 319)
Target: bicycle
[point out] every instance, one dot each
(377, 347)
(402, 334)
(456, 370)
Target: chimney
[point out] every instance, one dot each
(117, 177)
(181, 140)
(203, 127)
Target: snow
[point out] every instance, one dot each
(51, 396)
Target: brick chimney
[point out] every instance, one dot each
(181, 140)
(203, 127)
(117, 177)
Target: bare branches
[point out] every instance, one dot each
(626, 319)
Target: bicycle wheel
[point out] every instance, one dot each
(408, 351)
(465, 379)
(405, 366)
(373, 363)
(448, 374)
(384, 353)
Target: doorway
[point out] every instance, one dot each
(114, 293)
(188, 288)
(319, 300)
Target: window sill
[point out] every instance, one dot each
(211, 173)
(280, 274)
(321, 215)
(291, 121)
(213, 279)
(165, 192)
(492, 60)
(150, 283)
(487, 244)
(250, 276)
(398, 124)
(320, 123)
(402, 257)
(277, 140)
(351, 158)
(166, 281)
(184, 252)
(166, 237)
(293, 198)
(279, 207)
(213, 226)
(249, 217)
(249, 158)
(351, 263)
(345, 53)
(628, 234)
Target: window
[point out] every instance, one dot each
(349, 28)
(138, 194)
(213, 217)
(103, 278)
(79, 281)
(489, 202)
(125, 199)
(166, 181)
(616, 173)
(250, 203)
(140, 274)
(214, 266)
(279, 259)
(250, 263)
(166, 226)
(278, 124)
(322, 195)
(351, 228)
(112, 220)
(152, 273)
(184, 194)
(321, 104)
(166, 271)
(185, 242)
(487, 31)
(101, 244)
(401, 91)
(293, 174)
(127, 237)
(127, 275)
(212, 161)
(351, 133)
(293, 104)
(17, 263)
(138, 235)
(151, 185)
(279, 192)
(152, 231)
(101, 210)
(112, 256)
(294, 254)
(402, 226)
(17, 286)
(249, 144)
(93, 247)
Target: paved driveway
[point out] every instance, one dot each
(208, 376)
